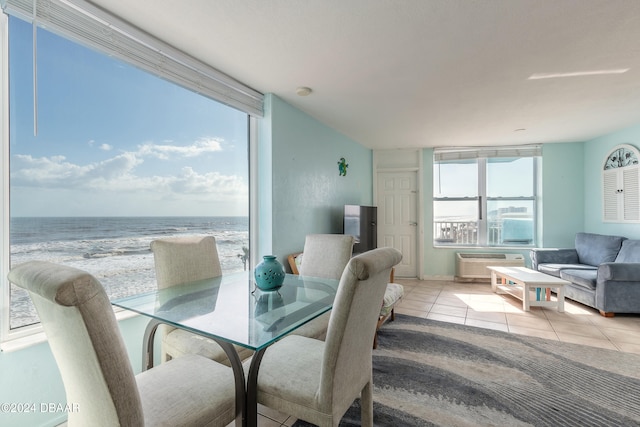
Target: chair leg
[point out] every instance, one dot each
(366, 402)
(381, 320)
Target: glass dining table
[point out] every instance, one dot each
(230, 310)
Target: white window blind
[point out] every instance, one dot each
(467, 153)
(89, 25)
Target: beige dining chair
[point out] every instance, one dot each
(317, 381)
(325, 256)
(96, 371)
(180, 260)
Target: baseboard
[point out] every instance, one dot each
(438, 277)
(472, 279)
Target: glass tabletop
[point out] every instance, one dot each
(231, 308)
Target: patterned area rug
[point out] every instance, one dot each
(429, 373)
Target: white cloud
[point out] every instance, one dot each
(165, 151)
(190, 182)
(103, 147)
(118, 175)
(56, 172)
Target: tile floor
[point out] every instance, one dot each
(474, 304)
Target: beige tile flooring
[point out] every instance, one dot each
(474, 304)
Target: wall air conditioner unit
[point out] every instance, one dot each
(473, 266)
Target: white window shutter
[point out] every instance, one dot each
(610, 195)
(631, 194)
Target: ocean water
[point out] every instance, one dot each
(116, 250)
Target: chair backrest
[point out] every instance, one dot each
(326, 255)
(185, 259)
(85, 340)
(347, 353)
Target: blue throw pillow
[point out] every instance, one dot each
(630, 251)
(594, 249)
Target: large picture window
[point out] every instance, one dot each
(120, 157)
(485, 197)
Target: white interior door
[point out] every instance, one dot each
(397, 217)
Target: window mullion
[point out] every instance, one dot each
(482, 205)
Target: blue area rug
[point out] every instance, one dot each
(429, 373)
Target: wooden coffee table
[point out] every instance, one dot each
(532, 287)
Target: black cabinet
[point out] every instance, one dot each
(361, 222)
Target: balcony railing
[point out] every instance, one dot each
(456, 232)
(503, 231)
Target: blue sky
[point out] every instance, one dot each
(113, 140)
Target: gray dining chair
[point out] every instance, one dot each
(86, 343)
(325, 256)
(180, 260)
(317, 381)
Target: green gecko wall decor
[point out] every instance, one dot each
(342, 166)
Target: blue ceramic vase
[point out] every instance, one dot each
(269, 274)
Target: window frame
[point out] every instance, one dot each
(482, 157)
(5, 334)
(11, 339)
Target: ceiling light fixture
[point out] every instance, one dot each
(538, 76)
(303, 91)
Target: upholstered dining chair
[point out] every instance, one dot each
(318, 381)
(180, 260)
(98, 378)
(325, 256)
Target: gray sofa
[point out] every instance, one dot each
(604, 271)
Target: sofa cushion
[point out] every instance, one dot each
(580, 277)
(594, 249)
(630, 251)
(554, 269)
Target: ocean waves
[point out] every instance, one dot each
(116, 250)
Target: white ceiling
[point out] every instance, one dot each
(421, 73)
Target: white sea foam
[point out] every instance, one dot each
(116, 250)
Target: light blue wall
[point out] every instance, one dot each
(308, 195)
(563, 194)
(438, 262)
(31, 376)
(595, 152)
(562, 201)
